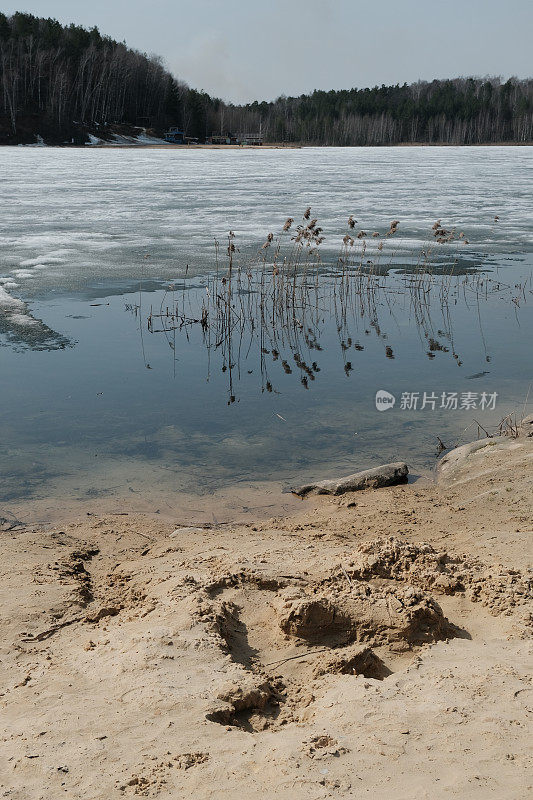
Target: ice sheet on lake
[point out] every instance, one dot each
(75, 217)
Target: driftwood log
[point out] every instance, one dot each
(386, 475)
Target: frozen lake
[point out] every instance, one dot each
(96, 408)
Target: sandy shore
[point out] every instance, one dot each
(371, 644)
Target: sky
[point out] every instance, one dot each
(245, 50)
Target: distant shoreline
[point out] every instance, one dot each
(265, 146)
(169, 146)
(300, 146)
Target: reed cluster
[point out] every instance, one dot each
(279, 302)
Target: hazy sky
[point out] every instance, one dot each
(244, 50)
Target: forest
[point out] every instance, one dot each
(458, 111)
(63, 83)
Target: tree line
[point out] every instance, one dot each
(64, 81)
(459, 111)
(60, 81)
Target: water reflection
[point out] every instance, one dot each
(275, 314)
(265, 369)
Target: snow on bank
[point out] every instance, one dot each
(143, 138)
(119, 140)
(116, 140)
(39, 143)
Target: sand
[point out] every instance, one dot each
(375, 644)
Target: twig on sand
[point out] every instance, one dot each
(39, 637)
(346, 575)
(292, 658)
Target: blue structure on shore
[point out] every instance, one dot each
(175, 136)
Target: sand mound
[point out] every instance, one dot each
(280, 634)
(500, 589)
(250, 704)
(367, 615)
